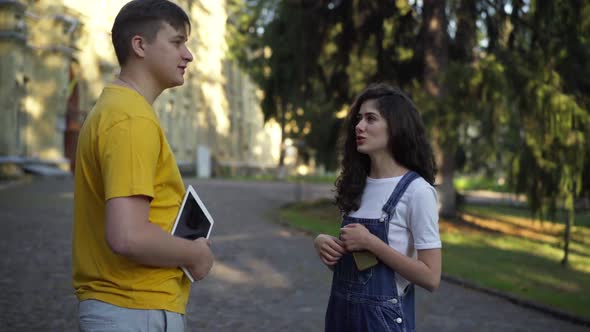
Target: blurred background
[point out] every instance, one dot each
(503, 87)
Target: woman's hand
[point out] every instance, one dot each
(329, 248)
(357, 237)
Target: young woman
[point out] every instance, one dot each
(385, 192)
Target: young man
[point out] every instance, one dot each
(128, 187)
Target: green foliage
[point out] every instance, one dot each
(550, 112)
(463, 183)
(317, 55)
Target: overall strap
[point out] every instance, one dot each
(399, 190)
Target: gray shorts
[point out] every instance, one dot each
(98, 316)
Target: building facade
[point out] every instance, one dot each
(56, 56)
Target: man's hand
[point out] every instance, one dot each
(329, 248)
(203, 261)
(357, 237)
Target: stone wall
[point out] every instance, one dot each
(48, 47)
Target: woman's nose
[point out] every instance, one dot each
(359, 127)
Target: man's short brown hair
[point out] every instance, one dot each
(144, 18)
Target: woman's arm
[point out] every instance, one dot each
(424, 272)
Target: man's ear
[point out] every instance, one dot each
(138, 46)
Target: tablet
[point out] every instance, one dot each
(193, 220)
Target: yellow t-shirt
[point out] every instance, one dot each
(122, 151)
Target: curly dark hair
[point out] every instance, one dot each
(408, 143)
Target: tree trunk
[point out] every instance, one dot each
(571, 213)
(436, 58)
(281, 169)
(466, 36)
(566, 238)
(446, 189)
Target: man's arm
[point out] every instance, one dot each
(130, 233)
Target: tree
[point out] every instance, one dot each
(504, 86)
(435, 65)
(544, 50)
(320, 55)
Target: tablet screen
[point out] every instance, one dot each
(192, 223)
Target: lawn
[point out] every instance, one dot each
(498, 248)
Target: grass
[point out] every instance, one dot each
(495, 248)
(498, 211)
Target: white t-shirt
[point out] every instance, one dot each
(414, 224)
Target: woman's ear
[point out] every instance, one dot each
(138, 46)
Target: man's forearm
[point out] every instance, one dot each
(153, 246)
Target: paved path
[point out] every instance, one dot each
(266, 277)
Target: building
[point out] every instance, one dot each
(56, 56)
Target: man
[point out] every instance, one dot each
(128, 188)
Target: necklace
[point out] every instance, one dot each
(130, 85)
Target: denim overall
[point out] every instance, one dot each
(368, 300)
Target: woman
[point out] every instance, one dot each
(385, 192)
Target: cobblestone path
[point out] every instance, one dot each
(266, 277)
